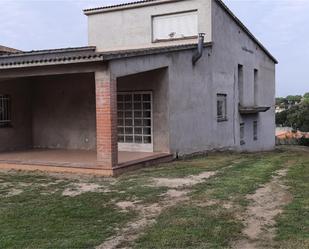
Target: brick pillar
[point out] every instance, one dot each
(106, 117)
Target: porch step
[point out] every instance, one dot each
(142, 163)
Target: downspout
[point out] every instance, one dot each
(199, 53)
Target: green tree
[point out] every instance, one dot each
(296, 117)
(293, 99)
(281, 118)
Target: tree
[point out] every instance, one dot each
(296, 117)
(281, 118)
(306, 95)
(293, 99)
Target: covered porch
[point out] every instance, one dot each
(77, 115)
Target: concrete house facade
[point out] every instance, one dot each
(159, 79)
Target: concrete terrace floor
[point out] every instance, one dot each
(75, 158)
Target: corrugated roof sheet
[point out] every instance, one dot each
(119, 5)
(80, 55)
(7, 50)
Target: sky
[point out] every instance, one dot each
(281, 25)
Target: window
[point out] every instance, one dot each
(5, 111)
(175, 26)
(221, 107)
(135, 118)
(242, 133)
(255, 130)
(241, 83)
(256, 81)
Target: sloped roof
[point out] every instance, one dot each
(7, 50)
(80, 55)
(128, 4)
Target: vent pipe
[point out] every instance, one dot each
(199, 53)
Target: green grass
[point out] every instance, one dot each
(190, 226)
(33, 220)
(293, 224)
(242, 178)
(41, 217)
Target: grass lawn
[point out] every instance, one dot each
(196, 203)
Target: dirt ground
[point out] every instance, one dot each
(177, 193)
(266, 204)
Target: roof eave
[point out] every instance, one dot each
(75, 58)
(125, 6)
(244, 28)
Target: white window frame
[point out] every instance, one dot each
(138, 147)
(175, 14)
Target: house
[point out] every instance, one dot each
(159, 79)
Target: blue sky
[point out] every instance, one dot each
(281, 25)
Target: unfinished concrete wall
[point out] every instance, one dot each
(155, 81)
(232, 46)
(64, 112)
(192, 90)
(132, 27)
(19, 136)
(192, 104)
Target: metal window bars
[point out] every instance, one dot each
(5, 111)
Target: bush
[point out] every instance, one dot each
(304, 141)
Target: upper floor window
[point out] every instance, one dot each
(242, 134)
(240, 84)
(256, 87)
(175, 26)
(5, 111)
(221, 107)
(255, 130)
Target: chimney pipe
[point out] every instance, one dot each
(199, 53)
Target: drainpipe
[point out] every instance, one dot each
(199, 53)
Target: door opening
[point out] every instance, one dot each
(135, 121)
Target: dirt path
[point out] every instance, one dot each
(266, 204)
(178, 191)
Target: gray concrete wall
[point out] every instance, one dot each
(132, 28)
(64, 112)
(19, 136)
(155, 81)
(192, 91)
(232, 46)
(188, 99)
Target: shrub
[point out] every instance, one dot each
(304, 141)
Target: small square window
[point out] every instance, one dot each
(242, 134)
(221, 107)
(255, 130)
(5, 111)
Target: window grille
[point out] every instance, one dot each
(5, 111)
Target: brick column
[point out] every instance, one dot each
(106, 117)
